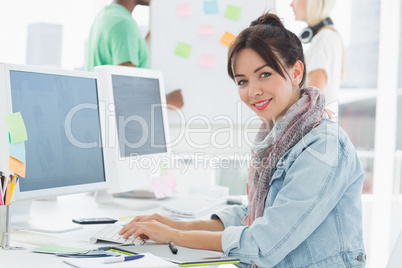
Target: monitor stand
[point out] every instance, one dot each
(21, 220)
(138, 203)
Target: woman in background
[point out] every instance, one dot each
(325, 55)
(305, 179)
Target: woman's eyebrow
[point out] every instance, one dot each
(256, 70)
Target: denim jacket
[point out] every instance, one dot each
(312, 215)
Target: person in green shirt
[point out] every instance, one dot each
(115, 39)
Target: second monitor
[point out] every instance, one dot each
(135, 126)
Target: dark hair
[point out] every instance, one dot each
(272, 41)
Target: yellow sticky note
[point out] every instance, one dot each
(17, 167)
(16, 127)
(183, 50)
(232, 12)
(227, 38)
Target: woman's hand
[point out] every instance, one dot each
(159, 218)
(153, 229)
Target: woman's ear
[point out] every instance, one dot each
(297, 73)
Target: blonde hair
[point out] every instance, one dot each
(318, 10)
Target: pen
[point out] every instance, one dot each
(122, 258)
(172, 247)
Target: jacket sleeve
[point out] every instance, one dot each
(311, 188)
(231, 216)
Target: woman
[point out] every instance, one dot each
(325, 55)
(305, 178)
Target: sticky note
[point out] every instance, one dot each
(183, 50)
(158, 187)
(16, 127)
(207, 60)
(163, 170)
(183, 10)
(17, 150)
(227, 38)
(164, 186)
(206, 30)
(171, 182)
(232, 12)
(211, 7)
(17, 167)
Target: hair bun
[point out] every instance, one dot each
(268, 19)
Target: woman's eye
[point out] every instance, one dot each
(265, 75)
(241, 82)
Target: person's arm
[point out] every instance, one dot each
(128, 64)
(318, 79)
(174, 100)
(162, 233)
(205, 225)
(307, 195)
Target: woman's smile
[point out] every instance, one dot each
(261, 105)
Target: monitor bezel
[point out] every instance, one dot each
(118, 168)
(6, 108)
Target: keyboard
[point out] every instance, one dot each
(194, 205)
(110, 233)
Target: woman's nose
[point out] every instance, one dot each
(254, 89)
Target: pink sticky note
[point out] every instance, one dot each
(169, 183)
(207, 60)
(173, 182)
(158, 187)
(183, 10)
(206, 30)
(164, 185)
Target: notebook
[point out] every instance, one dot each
(184, 256)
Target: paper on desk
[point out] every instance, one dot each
(149, 260)
(53, 249)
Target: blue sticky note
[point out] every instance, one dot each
(211, 7)
(17, 150)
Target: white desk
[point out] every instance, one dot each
(64, 209)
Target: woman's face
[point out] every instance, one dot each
(300, 9)
(261, 88)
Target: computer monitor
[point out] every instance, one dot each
(64, 153)
(136, 127)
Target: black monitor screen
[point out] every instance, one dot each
(61, 116)
(139, 118)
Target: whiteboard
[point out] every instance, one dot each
(201, 73)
